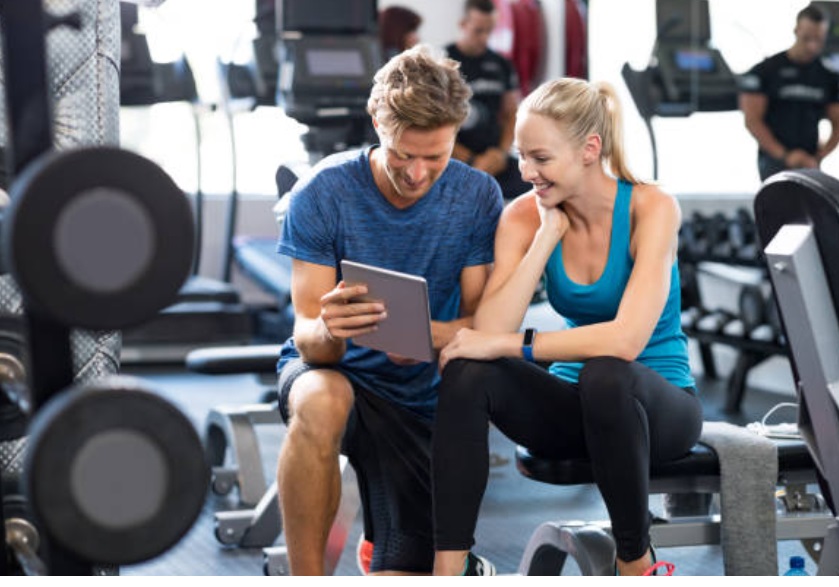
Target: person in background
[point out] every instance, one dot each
(485, 139)
(398, 30)
(404, 205)
(784, 97)
(619, 390)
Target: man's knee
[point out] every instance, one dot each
(319, 404)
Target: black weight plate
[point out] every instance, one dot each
(116, 474)
(98, 237)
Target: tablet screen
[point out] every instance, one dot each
(407, 329)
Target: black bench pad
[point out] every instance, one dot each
(793, 455)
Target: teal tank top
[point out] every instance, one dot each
(580, 305)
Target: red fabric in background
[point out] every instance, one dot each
(576, 54)
(528, 42)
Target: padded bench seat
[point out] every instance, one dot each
(700, 465)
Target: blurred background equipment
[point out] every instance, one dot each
(686, 73)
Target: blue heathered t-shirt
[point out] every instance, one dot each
(337, 212)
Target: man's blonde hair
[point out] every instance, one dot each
(418, 89)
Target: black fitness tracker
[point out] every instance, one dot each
(527, 345)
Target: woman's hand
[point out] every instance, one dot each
(471, 344)
(554, 221)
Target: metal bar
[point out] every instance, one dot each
(24, 61)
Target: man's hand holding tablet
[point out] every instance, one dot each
(406, 331)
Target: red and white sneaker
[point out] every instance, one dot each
(364, 554)
(664, 566)
(653, 571)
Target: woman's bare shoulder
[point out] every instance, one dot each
(651, 200)
(523, 210)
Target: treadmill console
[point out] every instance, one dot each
(686, 73)
(326, 77)
(328, 53)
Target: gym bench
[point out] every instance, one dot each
(688, 484)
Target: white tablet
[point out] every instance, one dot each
(407, 329)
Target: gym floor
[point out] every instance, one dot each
(513, 507)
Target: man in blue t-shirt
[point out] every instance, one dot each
(785, 96)
(404, 205)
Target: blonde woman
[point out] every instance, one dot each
(619, 388)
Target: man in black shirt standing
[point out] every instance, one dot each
(485, 138)
(785, 96)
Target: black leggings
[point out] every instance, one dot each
(622, 416)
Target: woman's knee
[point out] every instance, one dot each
(604, 379)
(462, 380)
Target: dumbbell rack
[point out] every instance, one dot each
(733, 247)
(103, 469)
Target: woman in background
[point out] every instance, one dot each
(398, 28)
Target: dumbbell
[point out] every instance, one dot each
(689, 287)
(101, 239)
(690, 316)
(752, 306)
(761, 314)
(116, 473)
(742, 234)
(714, 322)
(113, 472)
(734, 328)
(750, 315)
(97, 237)
(717, 231)
(693, 236)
